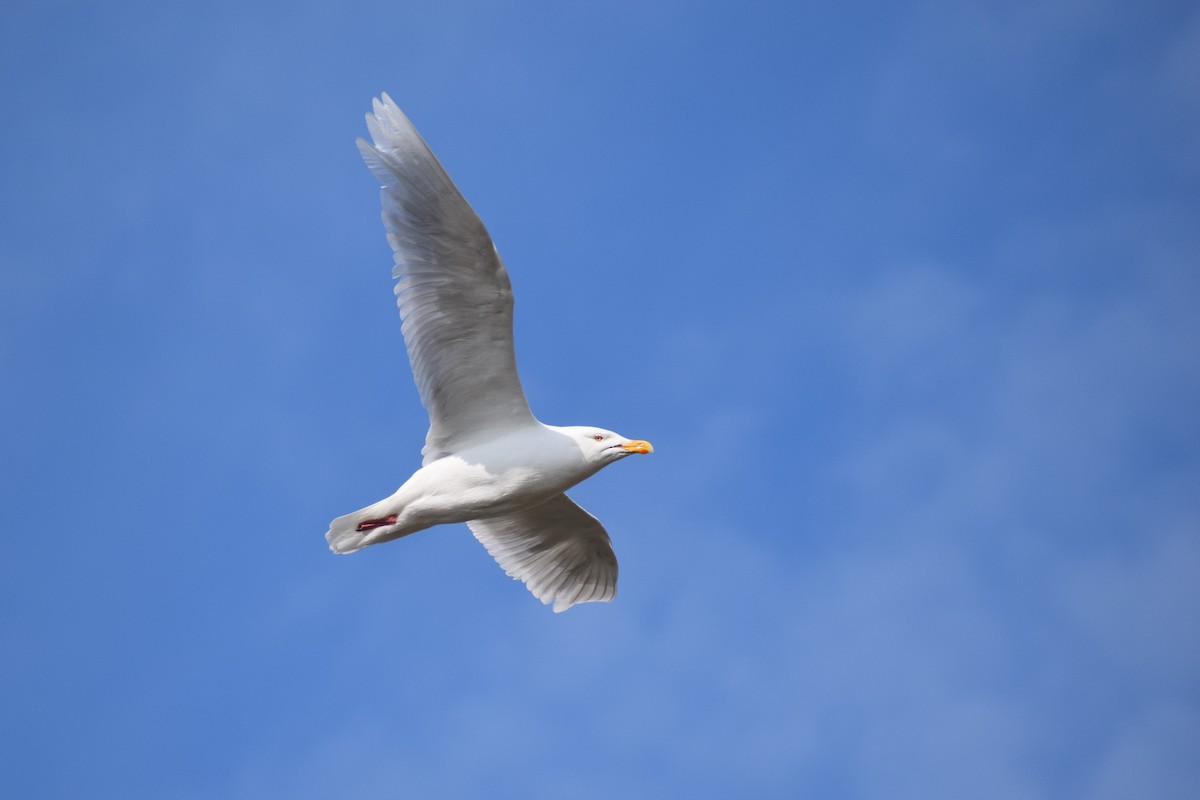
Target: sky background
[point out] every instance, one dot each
(904, 294)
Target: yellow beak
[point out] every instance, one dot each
(638, 446)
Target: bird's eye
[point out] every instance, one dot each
(599, 437)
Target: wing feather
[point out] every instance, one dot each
(561, 552)
(452, 289)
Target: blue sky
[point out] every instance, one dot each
(904, 295)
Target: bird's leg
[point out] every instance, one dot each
(367, 525)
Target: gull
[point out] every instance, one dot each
(487, 461)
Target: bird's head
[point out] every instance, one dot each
(603, 447)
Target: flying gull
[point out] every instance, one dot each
(488, 461)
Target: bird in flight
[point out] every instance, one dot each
(487, 461)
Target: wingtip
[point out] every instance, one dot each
(387, 114)
(561, 605)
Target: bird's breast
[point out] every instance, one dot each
(487, 482)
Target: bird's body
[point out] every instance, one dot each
(487, 461)
(516, 470)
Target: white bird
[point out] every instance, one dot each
(487, 461)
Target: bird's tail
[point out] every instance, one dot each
(371, 525)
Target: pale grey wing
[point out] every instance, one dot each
(454, 295)
(561, 552)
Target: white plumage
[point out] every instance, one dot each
(487, 461)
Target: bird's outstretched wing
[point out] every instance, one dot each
(454, 295)
(561, 552)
